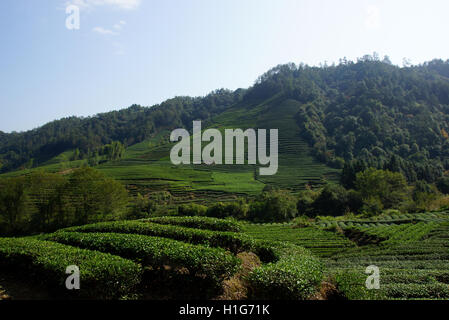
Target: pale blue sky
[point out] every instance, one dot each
(145, 51)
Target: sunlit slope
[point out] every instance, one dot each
(146, 166)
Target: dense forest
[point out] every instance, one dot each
(371, 113)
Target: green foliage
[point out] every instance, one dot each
(45, 201)
(443, 185)
(276, 205)
(192, 209)
(350, 285)
(206, 223)
(331, 200)
(127, 126)
(113, 151)
(103, 276)
(372, 112)
(13, 203)
(142, 207)
(381, 189)
(305, 202)
(412, 256)
(214, 263)
(416, 290)
(302, 222)
(321, 243)
(94, 196)
(234, 242)
(412, 259)
(296, 275)
(237, 209)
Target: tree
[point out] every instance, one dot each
(332, 201)
(96, 197)
(388, 188)
(443, 185)
(237, 209)
(305, 202)
(13, 203)
(47, 205)
(276, 205)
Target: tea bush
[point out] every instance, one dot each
(207, 223)
(102, 275)
(296, 275)
(214, 263)
(229, 240)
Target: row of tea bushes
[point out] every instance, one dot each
(213, 263)
(104, 276)
(296, 275)
(206, 223)
(232, 241)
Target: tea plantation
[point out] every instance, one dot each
(195, 257)
(176, 258)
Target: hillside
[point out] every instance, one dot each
(350, 116)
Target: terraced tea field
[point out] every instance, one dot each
(320, 242)
(172, 257)
(146, 166)
(195, 257)
(411, 251)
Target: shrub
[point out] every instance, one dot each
(333, 199)
(302, 222)
(273, 206)
(44, 202)
(142, 207)
(200, 223)
(192, 209)
(416, 290)
(102, 275)
(296, 275)
(214, 263)
(229, 240)
(351, 286)
(443, 185)
(382, 186)
(238, 210)
(305, 202)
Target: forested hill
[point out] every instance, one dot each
(129, 126)
(354, 115)
(370, 113)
